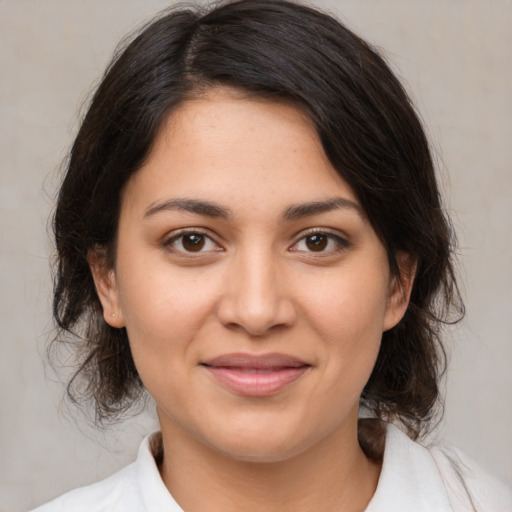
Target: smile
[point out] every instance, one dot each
(256, 375)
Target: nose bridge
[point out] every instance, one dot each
(255, 297)
(256, 286)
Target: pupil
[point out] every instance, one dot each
(316, 242)
(193, 243)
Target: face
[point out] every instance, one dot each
(253, 289)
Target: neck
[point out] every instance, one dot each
(335, 474)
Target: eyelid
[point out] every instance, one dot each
(171, 237)
(339, 237)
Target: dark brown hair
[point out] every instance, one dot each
(285, 52)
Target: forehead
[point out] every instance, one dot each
(237, 150)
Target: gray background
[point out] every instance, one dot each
(455, 57)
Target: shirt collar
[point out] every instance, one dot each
(409, 479)
(154, 493)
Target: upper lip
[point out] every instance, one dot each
(261, 361)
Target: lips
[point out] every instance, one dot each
(252, 375)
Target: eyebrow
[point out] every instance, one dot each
(293, 212)
(188, 205)
(299, 211)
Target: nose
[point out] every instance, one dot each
(255, 297)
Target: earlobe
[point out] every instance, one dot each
(106, 288)
(400, 290)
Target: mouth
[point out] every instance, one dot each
(253, 375)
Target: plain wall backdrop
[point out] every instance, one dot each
(455, 59)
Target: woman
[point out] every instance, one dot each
(250, 231)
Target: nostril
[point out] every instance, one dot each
(256, 319)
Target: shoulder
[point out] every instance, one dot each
(425, 478)
(135, 488)
(115, 493)
(469, 485)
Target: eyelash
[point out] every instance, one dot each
(341, 243)
(169, 243)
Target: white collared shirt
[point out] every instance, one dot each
(413, 479)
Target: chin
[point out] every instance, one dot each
(259, 445)
(261, 453)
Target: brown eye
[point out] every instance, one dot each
(316, 242)
(193, 242)
(320, 242)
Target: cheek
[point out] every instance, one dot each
(348, 312)
(163, 315)
(348, 305)
(163, 309)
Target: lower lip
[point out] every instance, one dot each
(256, 382)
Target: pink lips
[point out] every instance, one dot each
(256, 375)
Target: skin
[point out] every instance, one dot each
(257, 286)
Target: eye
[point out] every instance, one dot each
(192, 242)
(320, 242)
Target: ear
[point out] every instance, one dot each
(106, 287)
(400, 288)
